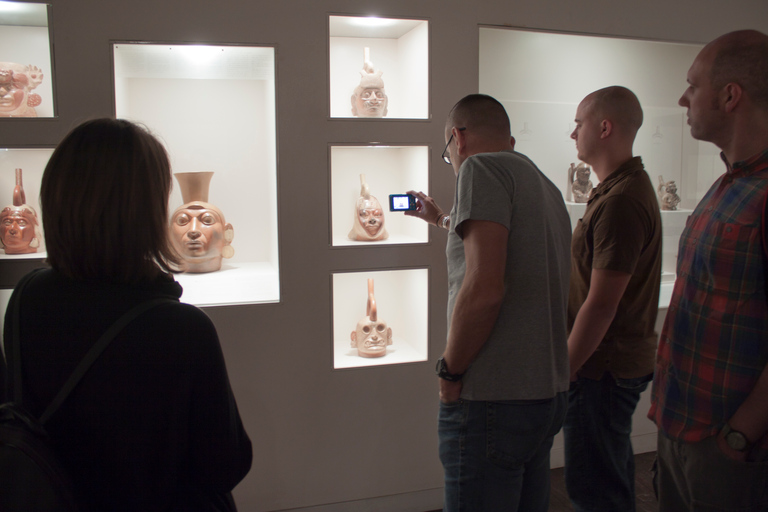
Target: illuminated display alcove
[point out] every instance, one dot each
(388, 170)
(32, 162)
(541, 77)
(25, 43)
(402, 301)
(214, 108)
(397, 47)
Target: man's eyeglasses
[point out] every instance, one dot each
(446, 156)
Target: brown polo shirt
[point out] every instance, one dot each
(621, 230)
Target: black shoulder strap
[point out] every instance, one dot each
(86, 362)
(96, 351)
(14, 368)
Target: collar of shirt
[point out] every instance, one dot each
(746, 167)
(632, 165)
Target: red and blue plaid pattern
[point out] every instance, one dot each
(714, 343)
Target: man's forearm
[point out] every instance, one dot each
(474, 316)
(606, 287)
(588, 331)
(481, 294)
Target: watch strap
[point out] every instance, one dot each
(441, 369)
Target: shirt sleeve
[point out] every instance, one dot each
(484, 192)
(620, 233)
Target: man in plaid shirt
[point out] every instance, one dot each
(710, 390)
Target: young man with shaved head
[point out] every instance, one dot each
(612, 306)
(710, 389)
(504, 373)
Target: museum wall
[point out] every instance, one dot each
(330, 438)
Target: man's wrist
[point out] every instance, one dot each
(442, 371)
(735, 439)
(445, 222)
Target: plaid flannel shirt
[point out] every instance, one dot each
(714, 344)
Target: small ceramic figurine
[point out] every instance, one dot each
(668, 198)
(578, 191)
(368, 225)
(371, 336)
(16, 82)
(198, 229)
(19, 228)
(369, 98)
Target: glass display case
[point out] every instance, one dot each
(26, 70)
(385, 170)
(384, 58)
(401, 305)
(214, 108)
(541, 77)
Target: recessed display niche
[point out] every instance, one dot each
(368, 54)
(541, 77)
(385, 170)
(32, 163)
(26, 70)
(214, 108)
(399, 332)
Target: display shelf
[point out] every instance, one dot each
(402, 299)
(25, 42)
(214, 108)
(397, 47)
(40, 255)
(388, 170)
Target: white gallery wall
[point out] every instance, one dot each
(364, 438)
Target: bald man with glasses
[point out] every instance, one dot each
(503, 376)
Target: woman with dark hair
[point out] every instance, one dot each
(153, 425)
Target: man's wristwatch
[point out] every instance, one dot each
(441, 369)
(735, 439)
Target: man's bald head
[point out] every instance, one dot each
(741, 57)
(618, 105)
(481, 114)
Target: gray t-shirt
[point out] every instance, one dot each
(526, 355)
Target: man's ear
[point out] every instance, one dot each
(730, 96)
(460, 138)
(606, 128)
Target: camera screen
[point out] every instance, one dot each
(400, 203)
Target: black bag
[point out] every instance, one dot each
(31, 476)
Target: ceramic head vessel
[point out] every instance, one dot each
(16, 84)
(19, 226)
(371, 335)
(368, 224)
(369, 98)
(199, 231)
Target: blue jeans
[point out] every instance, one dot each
(599, 463)
(496, 454)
